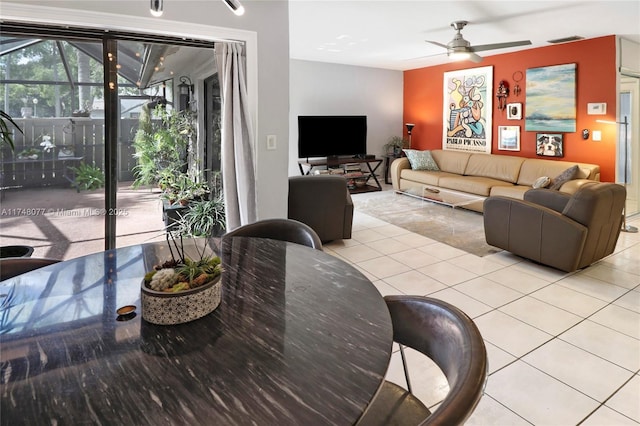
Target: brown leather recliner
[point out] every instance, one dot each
(565, 231)
(323, 203)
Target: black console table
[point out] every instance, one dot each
(328, 164)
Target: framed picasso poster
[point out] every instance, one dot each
(467, 110)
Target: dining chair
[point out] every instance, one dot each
(450, 338)
(14, 266)
(279, 229)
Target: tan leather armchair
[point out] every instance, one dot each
(565, 231)
(323, 203)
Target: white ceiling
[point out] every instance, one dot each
(392, 34)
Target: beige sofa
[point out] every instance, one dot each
(486, 175)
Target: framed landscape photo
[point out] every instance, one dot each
(509, 138)
(549, 145)
(551, 99)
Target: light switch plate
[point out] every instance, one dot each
(271, 142)
(596, 135)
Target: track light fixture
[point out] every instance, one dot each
(235, 6)
(156, 7)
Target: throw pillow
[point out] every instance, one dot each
(541, 182)
(421, 160)
(563, 177)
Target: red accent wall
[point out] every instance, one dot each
(596, 74)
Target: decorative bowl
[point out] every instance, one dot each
(360, 183)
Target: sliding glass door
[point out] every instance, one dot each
(629, 149)
(51, 179)
(84, 104)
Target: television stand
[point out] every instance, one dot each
(344, 166)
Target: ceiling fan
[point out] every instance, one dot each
(459, 48)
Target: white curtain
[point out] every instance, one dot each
(238, 174)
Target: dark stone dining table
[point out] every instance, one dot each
(300, 338)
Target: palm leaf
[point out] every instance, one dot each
(6, 132)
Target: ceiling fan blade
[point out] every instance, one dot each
(482, 47)
(475, 58)
(437, 44)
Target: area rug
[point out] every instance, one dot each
(459, 228)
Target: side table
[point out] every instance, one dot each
(388, 159)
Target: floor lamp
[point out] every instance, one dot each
(625, 123)
(410, 127)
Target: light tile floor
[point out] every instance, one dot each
(564, 349)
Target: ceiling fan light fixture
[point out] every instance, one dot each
(459, 55)
(235, 6)
(156, 7)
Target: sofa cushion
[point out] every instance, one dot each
(533, 168)
(512, 191)
(501, 167)
(421, 160)
(563, 177)
(541, 182)
(477, 185)
(451, 161)
(427, 177)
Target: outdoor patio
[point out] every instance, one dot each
(61, 223)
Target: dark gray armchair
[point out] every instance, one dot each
(565, 231)
(323, 203)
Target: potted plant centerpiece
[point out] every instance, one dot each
(183, 288)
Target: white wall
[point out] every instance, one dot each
(319, 88)
(265, 27)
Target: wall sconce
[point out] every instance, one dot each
(410, 127)
(585, 134)
(156, 7)
(185, 90)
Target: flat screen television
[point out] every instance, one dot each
(332, 135)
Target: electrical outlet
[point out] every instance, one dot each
(271, 142)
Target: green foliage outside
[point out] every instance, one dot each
(41, 62)
(88, 177)
(6, 135)
(161, 146)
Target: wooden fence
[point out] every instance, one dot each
(81, 138)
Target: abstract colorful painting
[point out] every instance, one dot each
(467, 110)
(551, 99)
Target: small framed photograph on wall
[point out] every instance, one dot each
(549, 145)
(514, 111)
(509, 138)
